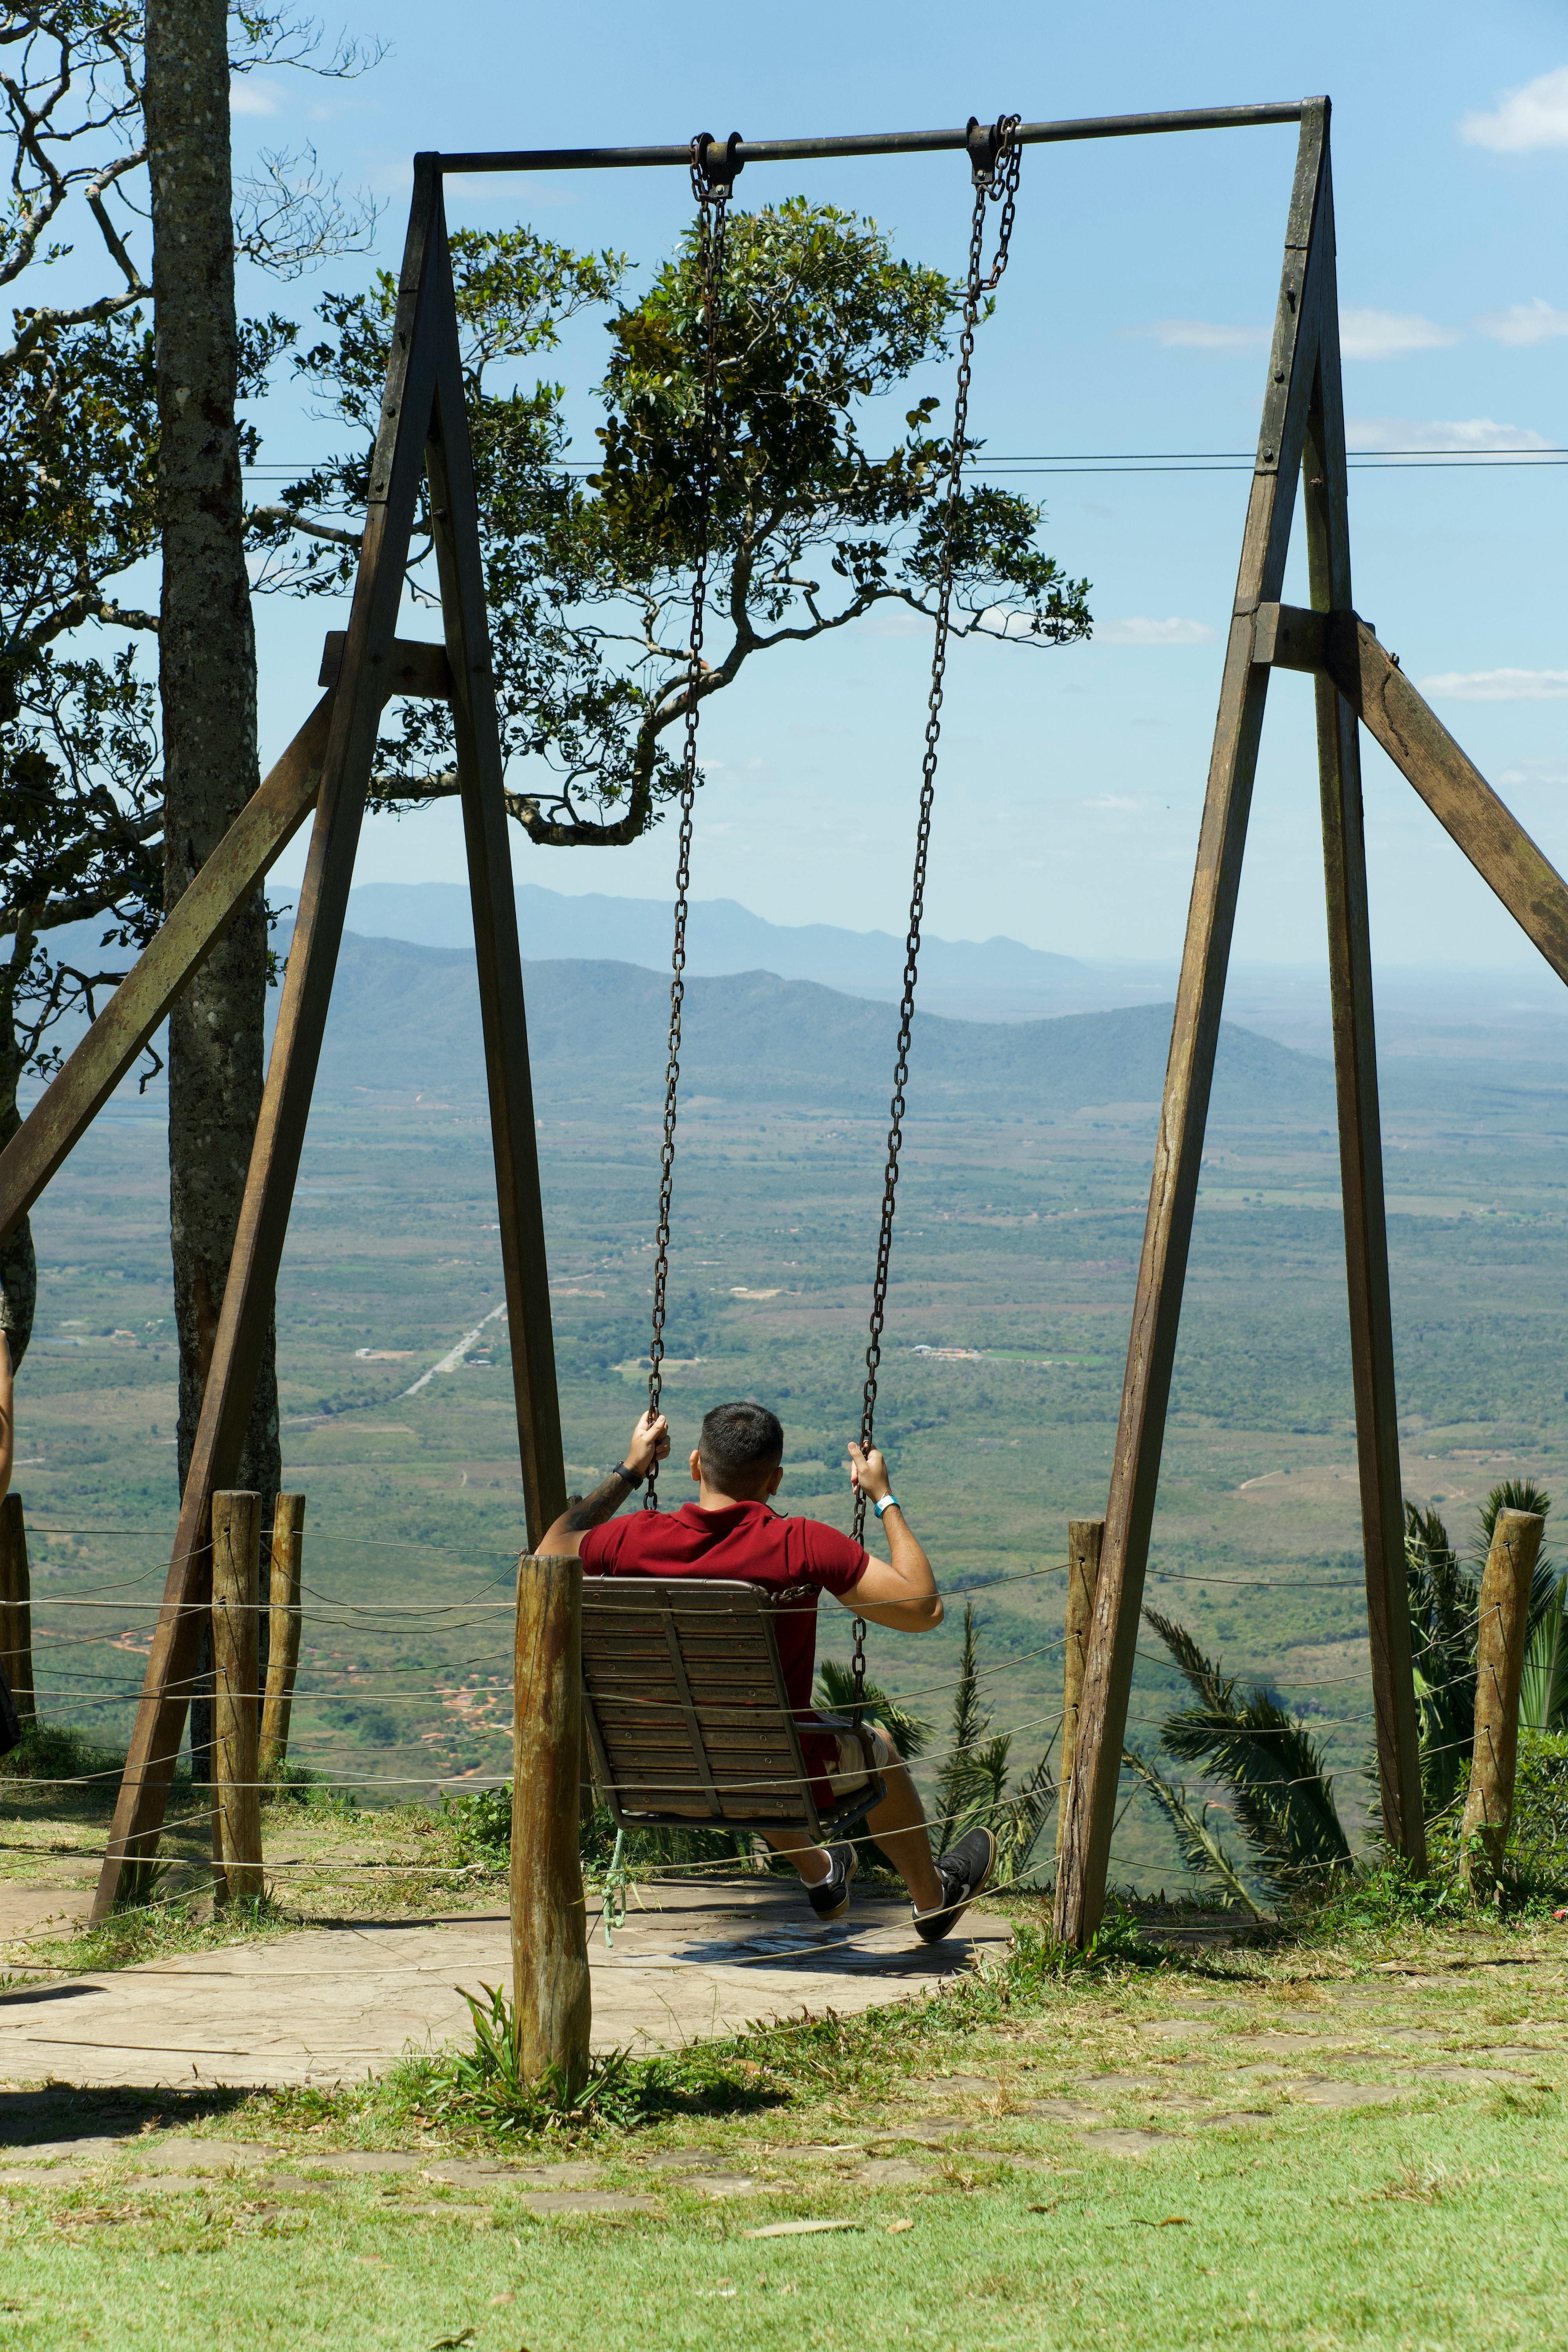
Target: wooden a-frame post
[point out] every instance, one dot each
(1303, 438)
(423, 432)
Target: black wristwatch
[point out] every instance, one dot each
(634, 1479)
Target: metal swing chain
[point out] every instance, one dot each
(997, 157)
(712, 207)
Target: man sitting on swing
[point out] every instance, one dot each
(730, 1531)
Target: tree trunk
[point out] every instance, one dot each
(207, 676)
(18, 1262)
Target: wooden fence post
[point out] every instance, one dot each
(236, 1612)
(16, 1608)
(1500, 1668)
(283, 1632)
(549, 1932)
(1084, 1540)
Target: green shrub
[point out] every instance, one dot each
(1537, 1838)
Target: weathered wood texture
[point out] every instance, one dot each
(1325, 496)
(689, 1717)
(396, 467)
(412, 666)
(16, 1607)
(1085, 1538)
(1459, 797)
(236, 1631)
(481, 775)
(1500, 1666)
(549, 1931)
(285, 1565)
(1091, 1803)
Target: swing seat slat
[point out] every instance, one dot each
(688, 1720)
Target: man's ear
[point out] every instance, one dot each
(696, 1465)
(775, 1479)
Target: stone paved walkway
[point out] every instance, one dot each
(328, 2004)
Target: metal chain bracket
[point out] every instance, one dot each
(996, 157)
(713, 193)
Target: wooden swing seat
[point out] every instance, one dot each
(688, 1720)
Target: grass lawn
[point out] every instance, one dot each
(1354, 2139)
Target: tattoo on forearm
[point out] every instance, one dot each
(602, 1503)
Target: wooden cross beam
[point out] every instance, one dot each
(1393, 710)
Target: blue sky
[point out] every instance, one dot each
(1134, 318)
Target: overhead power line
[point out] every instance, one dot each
(1138, 461)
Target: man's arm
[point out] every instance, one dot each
(901, 1590)
(650, 1443)
(7, 1414)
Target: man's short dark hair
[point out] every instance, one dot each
(738, 1440)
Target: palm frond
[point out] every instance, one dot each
(1201, 1849)
(1441, 1594)
(835, 1694)
(1024, 1817)
(1544, 1686)
(1273, 1771)
(956, 1787)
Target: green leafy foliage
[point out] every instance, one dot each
(972, 1788)
(1201, 1847)
(835, 1694)
(1441, 1593)
(1270, 1768)
(589, 581)
(487, 2084)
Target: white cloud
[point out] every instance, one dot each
(1524, 323)
(1468, 433)
(1111, 801)
(1137, 631)
(1535, 116)
(1538, 771)
(249, 96)
(1390, 334)
(1498, 685)
(896, 620)
(1200, 335)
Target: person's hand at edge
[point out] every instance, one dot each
(868, 1472)
(650, 1443)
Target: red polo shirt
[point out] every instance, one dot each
(748, 1542)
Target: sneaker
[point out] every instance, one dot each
(830, 1895)
(964, 1871)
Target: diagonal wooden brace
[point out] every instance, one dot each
(1421, 748)
(253, 843)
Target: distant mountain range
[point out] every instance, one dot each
(996, 980)
(405, 1015)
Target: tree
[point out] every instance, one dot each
(80, 811)
(589, 580)
(78, 504)
(207, 667)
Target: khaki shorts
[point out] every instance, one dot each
(851, 1772)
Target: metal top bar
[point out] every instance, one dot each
(872, 142)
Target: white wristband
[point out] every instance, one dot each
(887, 1503)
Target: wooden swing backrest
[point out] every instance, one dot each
(688, 1719)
